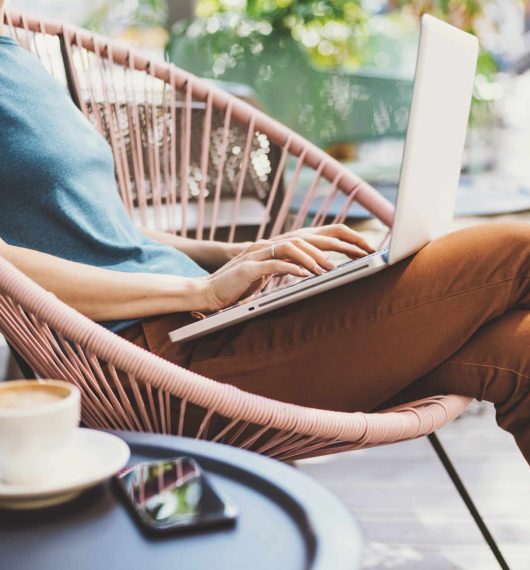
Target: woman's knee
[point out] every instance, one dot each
(496, 247)
(503, 235)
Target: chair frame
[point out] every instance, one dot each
(50, 339)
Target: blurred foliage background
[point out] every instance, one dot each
(336, 32)
(297, 54)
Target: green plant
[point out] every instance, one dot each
(282, 12)
(328, 29)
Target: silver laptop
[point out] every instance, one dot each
(430, 170)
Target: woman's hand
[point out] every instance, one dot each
(249, 271)
(335, 237)
(298, 253)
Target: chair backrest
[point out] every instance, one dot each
(190, 157)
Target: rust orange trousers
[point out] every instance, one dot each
(454, 318)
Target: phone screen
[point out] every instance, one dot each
(174, 494)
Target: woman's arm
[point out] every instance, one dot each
(102, 294)
(208, 254)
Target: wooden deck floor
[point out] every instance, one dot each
(410, 514)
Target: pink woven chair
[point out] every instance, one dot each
(192, 159)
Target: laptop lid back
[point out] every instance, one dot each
(436, 132)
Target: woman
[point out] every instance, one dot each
(455, 318)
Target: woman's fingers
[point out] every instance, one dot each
(258, 269)
(344, 233)
(327, 243)
(314, 252)
(305, 248)
(295, 250)
(339, 231)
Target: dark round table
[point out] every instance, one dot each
(286, 521)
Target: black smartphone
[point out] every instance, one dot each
(173, 495)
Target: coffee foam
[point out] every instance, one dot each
(26, 397)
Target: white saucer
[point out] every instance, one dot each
(91, 457)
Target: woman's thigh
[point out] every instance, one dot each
(357, 346)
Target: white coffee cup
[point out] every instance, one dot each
(37, 420)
